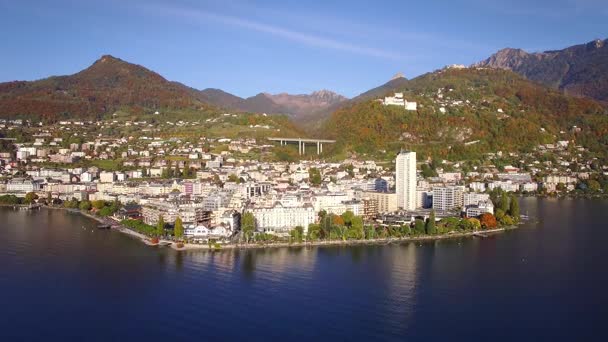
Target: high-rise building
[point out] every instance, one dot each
(406, 180)
(448, 197)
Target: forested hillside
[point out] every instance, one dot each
(463, 113)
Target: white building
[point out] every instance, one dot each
(528, 186)
(282, 219)
(86, 177)
(107, 177)
(507, 186)
(477, 186)
(450, 177)
(481, 208)
(448, 197)
(471, 198)
(23, 185)
(406, 180)
(329, 200)
(190, 212)
(202, 232)
(398, 100)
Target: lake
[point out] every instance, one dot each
(61, 278)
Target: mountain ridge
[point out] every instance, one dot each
(111, 83)
(580, 70)
(106, 85)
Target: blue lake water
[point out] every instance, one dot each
(62, 279)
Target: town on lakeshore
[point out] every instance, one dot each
(211, 191)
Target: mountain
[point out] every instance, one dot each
(219, 98)
(397, 82)
(107, 85)
(464, 113)
(580, 70)
(110, 84)
(300, 107)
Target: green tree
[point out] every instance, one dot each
(504, 202)
(109, 208)
(357, 227)
(370, 232)
(427, 171)
(160, 226)
(297, 234)
(348, 216)
(99, 204)
(514, 208)
(419, 227)
(594, 185)
(314, 232)
(178, 228)
(314, 175)
(405, 230)
(430, 224)
(326, 224)
(500, 214)
(473, 223)
(247, 225)
(30, 197)
(71, 204)
(85, 205)
(341, 231)
(507, 221)
(10, 199)
(449, 224)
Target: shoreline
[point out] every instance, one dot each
(385, 241)
(331, 243)
(122, 229)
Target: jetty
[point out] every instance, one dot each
(486, 233)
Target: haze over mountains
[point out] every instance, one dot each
(580, 70)
(300, 107)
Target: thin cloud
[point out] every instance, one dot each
(278, 31)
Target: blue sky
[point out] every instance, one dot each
(247, 47)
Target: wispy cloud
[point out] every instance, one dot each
(297, 36)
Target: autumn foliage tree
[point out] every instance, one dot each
(488, 221)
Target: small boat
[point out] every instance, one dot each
(103, 226)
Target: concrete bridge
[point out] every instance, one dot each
(302, 143)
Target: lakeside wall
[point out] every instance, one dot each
(385, 241)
